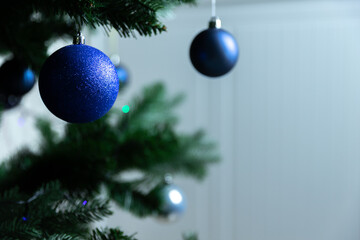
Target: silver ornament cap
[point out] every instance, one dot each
(79, 38)
(168, 179)
(215, 22)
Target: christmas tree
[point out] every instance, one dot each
(60, 190)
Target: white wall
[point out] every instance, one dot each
(287, 121)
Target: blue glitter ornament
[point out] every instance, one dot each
(214, 51)
(16, 78)
(78, 83)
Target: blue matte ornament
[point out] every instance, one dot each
(214, 51)
(16, 78)
(123, 75)
(78, 83)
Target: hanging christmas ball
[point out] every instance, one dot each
(78, 83)
(170, 200)
(214, 51)
(121, 71)
(16, 78)
(123, 75)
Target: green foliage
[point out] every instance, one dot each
(54, 193)
(27, 27)
(1, 111)
(109, 234)
(190, 236)
(49, 187)
(50, 213)
(26, 35)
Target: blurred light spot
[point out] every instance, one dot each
(21, 121)
(230, 44)
(125, 109)
(28, 75)
(84, 202)
(175, 196)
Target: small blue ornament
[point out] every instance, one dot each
(16, 78)
(122, 74)
(214, 51)
(78, 83)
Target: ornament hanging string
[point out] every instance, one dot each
(213, 8)
(78, 25)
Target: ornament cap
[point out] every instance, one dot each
(115, 59)
(215, 22)
(168, 179)
(79, 39)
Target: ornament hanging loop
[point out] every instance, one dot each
(213, 8)
(79, 38)
(215, 21)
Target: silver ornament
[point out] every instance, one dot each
(171, 200)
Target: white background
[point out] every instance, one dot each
(286, 120)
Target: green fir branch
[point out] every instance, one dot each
(132, 200)
(152, 107)
(62, 236)
(90, 156)
(49, 137)
(190, 236)
(109, 234)
(16, 229)
(27, 28)
(75, 212)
